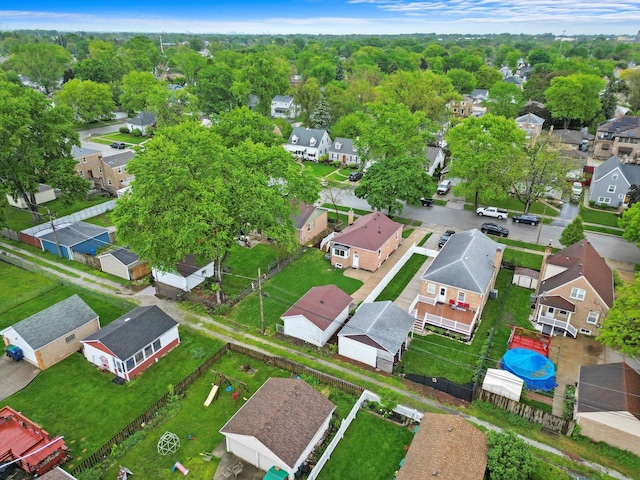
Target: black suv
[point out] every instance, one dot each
(445, 237)
(493, 229)
(355, 176)
(527, 218)
(118, 145)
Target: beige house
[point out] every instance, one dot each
(457, 284)
(531, 124)
(366, 243)
(575, 291)
(618, 136)
(467, 106)
(109, 173)
(310, 223)
(44, 194)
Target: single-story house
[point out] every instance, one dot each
(317, 315)
(342, 150)
(123, 263)
(133, 342)
(188, 274)
(143, 121)
(78, 237)
(530, 123)
(279, 426)
(284, 106)
(435, 159)
(445, 447)
(526, 277)
(366, 243)
(612, 179)
(310, 222)
(377, 335)
(44, 194)
(308, 143)
(608, 406)
(54, 333)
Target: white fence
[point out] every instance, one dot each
(73, 218)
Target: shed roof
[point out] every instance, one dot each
(369, 232)
(610, 387)
(74, 234)
(320, 305)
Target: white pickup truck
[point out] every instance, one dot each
(498, 213)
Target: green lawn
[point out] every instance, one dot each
(104, 220)
(342, 208)
(522, 259)
(18, 286)
(600, 217)
(123, 137)
(319, 169)
(242, 266)
(610, 231)
(529, 246)
(402, 278)
(372, 448)
(309, 270)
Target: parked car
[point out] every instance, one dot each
(445, 237)
(118, 145)
(426, 202)
(355, 176)
(495, 212)
(576, 190)
(527, 218)
(493, 229)
(444, 187)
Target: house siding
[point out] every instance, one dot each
(93, 167)
(599, 189)
(367, 259)
(254, 452)
(151, 360)
(110, 264)
(40, 198)
(184, 283)
(314, 227)
(60, 349)
(300, 327)
(619, 429)
(347, 347)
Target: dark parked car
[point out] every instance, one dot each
(426, 202)
(527, 218)
(118, 145)
(493, 229)
(445, 237)
(355, 176)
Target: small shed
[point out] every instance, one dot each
(54, 333)
(78, 237)
(526, 278)
(503, 383)
(188, 274)
(44, 194)
(124, 263)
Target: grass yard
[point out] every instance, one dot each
(357, 211)
(600, 217)
(104, 220)
(402, 278)
(242, 266)
(522, 259)
(319, 169)
(610, 231)
(372, 448)
(124, 137)
(283, 290)
(529, 246)
(18, 286)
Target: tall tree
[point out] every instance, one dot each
(484, 151)
(308, 95)
(505, 99)
(142, 53)
(631, 79)
(572, 233)
(630, 222)
(321, 116)
(36, 146)
(103, 65)
(621, 328)
(139, 90)
(90, 101)
(508, 457)
(187, 62)
(43, 63)
(464, 82)
(267, 76)
(215, 88)
(574, 97)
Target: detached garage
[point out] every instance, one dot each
(53, 333)
(79, 237)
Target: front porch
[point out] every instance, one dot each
(553, 326)
(427, 311)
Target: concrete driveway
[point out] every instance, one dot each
(14, 376)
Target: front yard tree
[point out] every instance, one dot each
(388, 182)
(574, 97)
(572, 233)
(139, 89)
(89, 101)
(505, 99)
(630, 222)
(321, 116)
(308, 96)
(36, 146)
(508, 457)
(621, 328)
(484, 154)
(43, 63)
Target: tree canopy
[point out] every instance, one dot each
(508, 457)
(89, 101)
(621, 328)
(43, 63)
(574, 97)
(630, 222)
(572, 233)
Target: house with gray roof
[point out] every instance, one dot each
(342, 150)
(133, 342)
(144, 121)
(54, 333)
(377, 335)
(530, 123)
(284, 106)
(308, 143)
(108, 172)
(80, 237)
(43, 194)
(612, 179)
(124, 263)
(435, 159)
(457, 284)
(186, 275)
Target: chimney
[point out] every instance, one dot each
(543, 268)
(350, 217)
(497, 261)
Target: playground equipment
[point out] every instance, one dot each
(181, 468)
(168, 443)
(218, 381)
(124, 473)
(212, 394)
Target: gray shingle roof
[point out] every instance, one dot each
(143, 118)
(630, 171)
(530, 118)
(304, 136)
(283, 99)
(124, 256)
(78, 152)
(134, 330)
(609, 387)
(345, 144)
(74, 234)
(465, 261)
(432, 153)
(301, 216)
(383, 322)
(119, 159)
(54, 322)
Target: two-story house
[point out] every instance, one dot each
(618, 136)
(343, 151)
(575, 291)
(310, 222)
(284, 106)
(457, 284)
(467, 106)
(612, 179)
(531, 124)
(109, 173)
(308, 143)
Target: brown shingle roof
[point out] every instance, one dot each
(305, 212)
(284, 415)
(448, 445)
(609, 387)
(581, 259)
(369, 232)
(189, 265)
(320, 305)
(558, 302)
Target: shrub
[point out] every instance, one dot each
(136, 132)
(124, 130)
(323, 158)
(335, 163)
(509, 457)
(592, 203)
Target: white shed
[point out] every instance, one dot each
(44, 194)
(187, 275)
(526, 278)
(503, 383)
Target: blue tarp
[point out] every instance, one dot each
(536, 370)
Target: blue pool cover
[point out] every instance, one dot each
(536, 370)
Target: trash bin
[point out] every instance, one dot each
(15, 352)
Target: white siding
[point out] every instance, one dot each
(109, 264)
(15, 339)
(184, 283)
(299, 326)
(94, 356)
(347, 347)
(254, 452)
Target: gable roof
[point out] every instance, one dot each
(143, 118)
(369, 232)
(558, 302)
(625, 126)
(383, 322)
(571, 137)
(284, 415)
(74, 234)
(282, 99)
(432, 153)
(304, 136)
(189, 265)
(448, 445)
(133, 330)
(610, 387)
(123, 255)
(343, 145)
(78, 152)
(530, 118)
(305, 213)
(581, 260)
(119, 159)
(465, 261)
(479, 93)
(320, 305)
(630, 171)
(54, 322)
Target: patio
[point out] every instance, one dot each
(450, 317)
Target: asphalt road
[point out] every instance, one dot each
(453, 217)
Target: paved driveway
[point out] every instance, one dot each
(14, 376)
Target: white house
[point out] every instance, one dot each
(435, 159)
(342, 150)
(308, 143)
(279, 425)
(44, 194)
(284, 106)
(187, 275)
(132, 342)
(317, 315)
(143, 121)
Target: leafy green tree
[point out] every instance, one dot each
(139, 90)
(464, 82)
(538, 55)
(103, 65)
(43, 63)
(631, 79)
(574, 97)
(308, 96)
(142, 53)
(187, 62)
(508, 457)
(242, 124)
(89, 101)
(633, 194)
(621, 328)
(630, 222)
(487, 76)
(36, 146)
(173, 107)
(321, 116)
(388, 182)
(483, 152)
(572, 233)
(349, 126)
(215, 88)
(268, 76)
(505, 99)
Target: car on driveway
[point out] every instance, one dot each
(527, 218)
(444, 187)
(493, 229)
(355, 176)
(118, 145)
(446, 236)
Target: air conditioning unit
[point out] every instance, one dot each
(493, 293)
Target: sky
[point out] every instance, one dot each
(569, 17)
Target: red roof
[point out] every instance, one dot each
(369, 232)
(320, 305)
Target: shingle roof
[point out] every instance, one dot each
(133, 331)
(123, 255)
(466, 261)
(283, 99)
(284, 415)
(143, 118)
(320, 305)
(630, 171)
(188, 266)
(304, 136)
(343, 145)
(432, 153)
(448, 445)
(479, 93)
(581, 259)
(119, 159)
(609, 387)
(54, 322)
(625, 126)
(571, 137)
(530, 118)
(74, 234)
(558, 302)
(369, 232)
(78, 152)
(383, 322)
(305, 212)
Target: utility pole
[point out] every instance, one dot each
(260, 296)
(53, 229)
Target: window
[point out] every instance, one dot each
(379, 253)
(614, 176)
(156, 345)
(148, 351)
(621, 196)
(109, 181)
(593, 317)
(119, 365)
(70, 338)
(99, 169)
(461, 297)
(562, 313)
(550, 309)
(604, 200)
(84, 159)
(119, 169)
(605, 146)
(577, 293)
(585, 331)
(611, 189)
(130, 364)
(431, 288)
(81, 173)
(139, 357)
